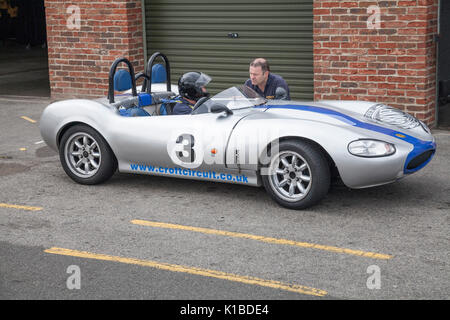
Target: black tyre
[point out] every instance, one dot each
(298, 175)
(86, 156)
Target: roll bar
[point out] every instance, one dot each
(112, 72)
(147, 85)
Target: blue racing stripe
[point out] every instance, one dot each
(420, 146)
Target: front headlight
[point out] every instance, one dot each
(370, 148)
(388, 115)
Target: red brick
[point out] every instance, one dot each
(394, 64)
(109, 29)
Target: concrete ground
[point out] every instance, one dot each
(408, 220)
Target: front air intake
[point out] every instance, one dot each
(419, 160)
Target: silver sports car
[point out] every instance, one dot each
(292, 148)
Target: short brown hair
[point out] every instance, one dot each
(260, 62)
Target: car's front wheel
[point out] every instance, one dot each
(298, 175)
(85, 155)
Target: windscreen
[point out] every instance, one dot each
(238, 98)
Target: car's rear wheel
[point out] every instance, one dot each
(85, 155)
(298, 175)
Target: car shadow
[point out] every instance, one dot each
(340, 198)
(179, 185)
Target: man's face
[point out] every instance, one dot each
(257, 76)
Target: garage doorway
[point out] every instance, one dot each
(443, 70)
(23, 49)
(221, 38)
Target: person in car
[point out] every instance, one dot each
(191, 87)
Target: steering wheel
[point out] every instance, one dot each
(200, 102)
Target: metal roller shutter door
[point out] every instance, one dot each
(195, 37)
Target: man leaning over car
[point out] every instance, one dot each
(266, 83)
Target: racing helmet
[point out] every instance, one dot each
(191, 83)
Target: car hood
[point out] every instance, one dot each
(341, 113)
(329, 108)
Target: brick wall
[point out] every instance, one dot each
(80, 52)
(393, 63)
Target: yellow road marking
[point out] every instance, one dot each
(360, 253)
(28, 119)
(15, 206)
(192, 270)
(23, 149)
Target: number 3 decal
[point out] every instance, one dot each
(187, 154)
(185, 151)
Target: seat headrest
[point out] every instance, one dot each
(158, 73)
(122, 80)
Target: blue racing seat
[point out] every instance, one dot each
(159, 73)
(122, 80)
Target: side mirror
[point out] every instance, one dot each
(281, 94)
(218, 108)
